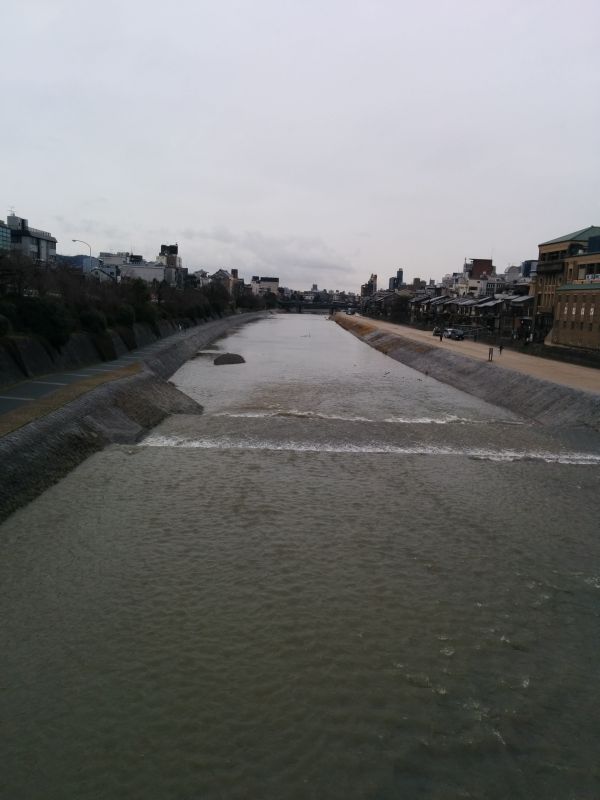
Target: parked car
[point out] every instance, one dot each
(437, 330)
(454, 333)
(350, 311)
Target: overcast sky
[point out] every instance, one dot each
(317, 140)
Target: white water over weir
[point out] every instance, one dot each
(343, 580)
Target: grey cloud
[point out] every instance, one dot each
(303, 256)
(101, 229)
(325, 119)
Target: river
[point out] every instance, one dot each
(343, 580)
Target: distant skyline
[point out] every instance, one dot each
(318, 141)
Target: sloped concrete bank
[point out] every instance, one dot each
(39, 454)
(24, 356)
(546, 402)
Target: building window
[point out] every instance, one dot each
(582, 312)
(564, 323)
(573, 310)
(572, 325)
(591, 327)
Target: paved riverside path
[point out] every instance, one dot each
(25, 392)
(563, 373)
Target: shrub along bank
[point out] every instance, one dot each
(56, 319)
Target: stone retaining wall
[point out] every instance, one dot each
(546, 402)
(42, 452)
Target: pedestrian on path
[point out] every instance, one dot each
(441, 336)
(501, 348)
(491, 354)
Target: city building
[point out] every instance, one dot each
(577, 314)
(38, 245)
(476, 268)
(513, 273)
(261, 286)
(166, 268)
(585, 265)
(551, 272)
(148, 271)
(490, 285)
(5, 237)
(577, 308)
(452, 282)
(528, 268)
(478, 277)
(397, 282)
(370, 287)
(104, 274)
(201, 278)
(474, 277)
(119, 259)
(230, 280)
(169, 256)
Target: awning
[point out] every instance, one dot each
(491, 304)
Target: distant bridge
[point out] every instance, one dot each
(298, 307)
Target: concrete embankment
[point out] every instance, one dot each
(546, 402)
(40, 453)
(24, 356)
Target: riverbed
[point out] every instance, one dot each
(343, 580)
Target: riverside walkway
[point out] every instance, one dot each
(560, 372)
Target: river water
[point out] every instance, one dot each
(343, 580)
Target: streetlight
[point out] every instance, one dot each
(87, 245)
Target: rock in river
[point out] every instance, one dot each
(229, 358)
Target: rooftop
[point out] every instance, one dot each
(577, 236)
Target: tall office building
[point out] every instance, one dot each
(38, 245)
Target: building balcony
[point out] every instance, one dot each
(550, 267)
